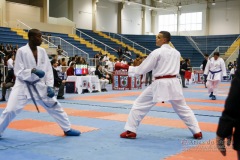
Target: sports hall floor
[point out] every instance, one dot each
(101, 118)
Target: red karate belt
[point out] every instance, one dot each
(167, 76)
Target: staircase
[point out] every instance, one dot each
(24, 35)
(231, 49)
(91, 45)
(120, 43)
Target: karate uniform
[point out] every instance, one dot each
(163, 61)
(20, 95)
(215, 69)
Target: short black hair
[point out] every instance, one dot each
(206, 55)
(216, 54)
(53, 61)
(32, 32)
(166, 35)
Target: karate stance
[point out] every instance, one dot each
(165, 65)
(214, 69)
(34, 81)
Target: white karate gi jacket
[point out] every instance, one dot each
(215, 66)
(162, 61)
(24, 63)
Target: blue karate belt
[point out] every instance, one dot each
(213, 73)
(36, 91)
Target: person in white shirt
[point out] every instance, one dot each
(124, 61)
(214, 71)
(110, 65)
(34, 81)
(164, 63)
(10, 62)
(232, 72)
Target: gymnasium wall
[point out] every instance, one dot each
(107, 16)
(82, 13)
(58, 8)
(225, 18)
(23, 12)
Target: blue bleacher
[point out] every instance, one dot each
(73, 42)
(10, 37)
(179, 42)
(110, 43)
(208, 44)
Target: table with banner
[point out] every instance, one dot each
(91, 83)
(122, 81)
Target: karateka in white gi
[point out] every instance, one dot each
(34, 81)
(165, 65)
(214, 70)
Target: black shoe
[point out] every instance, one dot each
(104, 90)
(211, 94)
(3, 99)
(214, 97)
(60, 97)
(185, 87)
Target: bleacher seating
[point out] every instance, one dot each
(101, 39)
(10, 37)
(179, 42)
(207, 44)
(73, 42)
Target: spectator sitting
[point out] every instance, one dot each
(137, 61)
(9, 82)
(59, 50)
(110, 65)
(107, 73)
(232, 72)
(58, 82)
(102, 78)
(10, 62)
(70, 70)
(124, 61)
(8, 50)
(119, 52)
(230, 66)
(2, 48)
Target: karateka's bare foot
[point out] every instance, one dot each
(198, 135)
(129, 135)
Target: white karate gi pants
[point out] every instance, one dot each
(103, 83)
(213, 86)
(16, 103)
(144, 103)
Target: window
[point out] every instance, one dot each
(191, 21)
(168, 23)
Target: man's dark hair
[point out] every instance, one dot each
(206, 55)
(53, 61)
(32, 32)
(216, 54)
(166, 35)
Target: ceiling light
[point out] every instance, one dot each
(128, 3)
(213, 3)
(180, 5)
(150, 9)
(160, 1)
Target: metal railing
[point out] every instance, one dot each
(126, 41)
(94, 41)
(221, 49)
(53, 42)
(218, 50)
(194, 44)
(67, 47)
(233, 56)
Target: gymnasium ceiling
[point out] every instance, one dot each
(172, 3)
